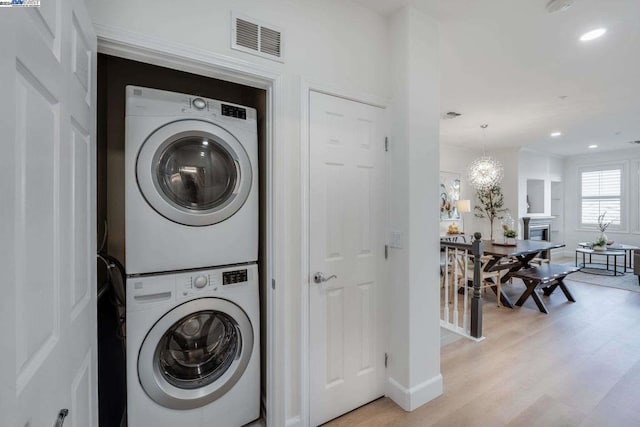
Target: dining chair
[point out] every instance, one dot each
(488, 279)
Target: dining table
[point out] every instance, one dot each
(513, 258)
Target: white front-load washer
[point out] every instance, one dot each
(193, 348)
(191, 182)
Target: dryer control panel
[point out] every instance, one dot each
(142, 101)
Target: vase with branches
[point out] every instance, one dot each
(602, 225)
(491, 205)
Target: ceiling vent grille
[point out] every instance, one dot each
(247, 34)
(251, 36)
(451, 115)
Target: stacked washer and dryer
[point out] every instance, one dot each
(191, 218)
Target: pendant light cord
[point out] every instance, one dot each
(484, 138)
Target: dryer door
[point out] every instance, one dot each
(195, 353)
(193, 172)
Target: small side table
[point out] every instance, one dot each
(628, 261)
(588, 267)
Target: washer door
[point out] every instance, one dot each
(195, 353)
(193, 172)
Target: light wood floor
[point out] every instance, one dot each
(578, 366)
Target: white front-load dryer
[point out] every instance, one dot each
(191, 182)
(193, 348)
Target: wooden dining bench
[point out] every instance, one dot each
(549, 277)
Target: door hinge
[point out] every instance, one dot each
(273, 283)
(386, 251)
(386, 360)
(386, 143)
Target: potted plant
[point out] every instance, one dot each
(600, 244)
(510, 236)
(491, 205)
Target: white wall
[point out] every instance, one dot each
(631, 189)
(414, 299)
(540, 166)
(333, 42)
(341, 45)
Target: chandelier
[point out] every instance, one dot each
(485, 172)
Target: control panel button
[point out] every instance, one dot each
(199, 103)
(200, 281)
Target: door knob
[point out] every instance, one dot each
(319, 277)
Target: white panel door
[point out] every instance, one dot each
(47, 215)
(346, 240)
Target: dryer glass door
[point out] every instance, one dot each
(194, 172)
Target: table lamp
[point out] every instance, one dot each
(463, 206)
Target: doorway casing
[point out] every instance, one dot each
(137, 47)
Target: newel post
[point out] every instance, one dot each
(477, 249)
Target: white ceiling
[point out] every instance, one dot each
(508, 62)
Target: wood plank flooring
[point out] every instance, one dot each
(577, 366)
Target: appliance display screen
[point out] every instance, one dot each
(236, 276)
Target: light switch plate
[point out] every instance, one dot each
(395, 239)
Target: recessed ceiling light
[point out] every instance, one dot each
(592, 146)
(593, 34)
(556, 134)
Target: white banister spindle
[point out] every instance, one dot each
(446, 285)
(456, 274)
(456, 265)
(465, 314)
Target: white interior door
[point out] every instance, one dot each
(346, 240)
(47, 227)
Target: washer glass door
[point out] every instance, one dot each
(195, 353)
(198, 349)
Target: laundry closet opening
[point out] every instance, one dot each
(115, 74)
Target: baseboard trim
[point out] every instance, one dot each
(414, 397)
(293, 421)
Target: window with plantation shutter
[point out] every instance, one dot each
(600, 192)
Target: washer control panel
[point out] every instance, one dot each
(197, 283)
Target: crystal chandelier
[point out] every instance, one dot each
(485, 172)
